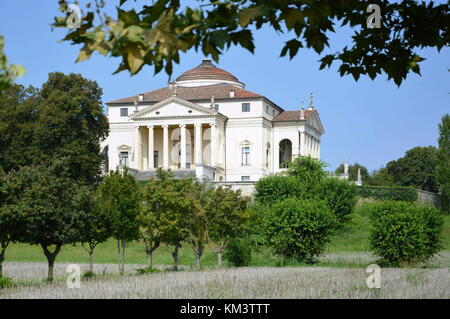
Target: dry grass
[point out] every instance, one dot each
(263, 282)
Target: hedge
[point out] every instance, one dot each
(402, 193)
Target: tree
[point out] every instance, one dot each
(198, 198)
(70, 123)
(309, 170)
(10, 224)
(402, 232)
(97, 225)
(18, 107)
(120, 195)
(50, 205)
(8, 73)
(443, 166)
(162, 218)
(226, 217)
(417, 168)
(353, 172)
(298, 229)
(380, 177)
(155, 34)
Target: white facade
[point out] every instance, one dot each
(237, 142)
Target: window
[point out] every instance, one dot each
(267, 157)
(245, 156)
(155, 159)
(123, 159)
(124, 111)
(245, 178)
(267, 109)
(245, 107)
(273, 113)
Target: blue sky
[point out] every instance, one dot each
(369, 122)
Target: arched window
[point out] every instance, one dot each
(285, 153)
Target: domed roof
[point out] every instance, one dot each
(208, 74)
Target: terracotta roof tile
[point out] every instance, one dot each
(220, 91)
(206, 70)
(289, 116)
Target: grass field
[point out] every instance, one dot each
(354, 237)
(248, 282)
(339, 273)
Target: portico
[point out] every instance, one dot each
(180, 145)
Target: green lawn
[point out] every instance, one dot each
(353, 237)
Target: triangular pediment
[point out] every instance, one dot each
(315, 122)
(173, 107)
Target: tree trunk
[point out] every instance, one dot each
(51, 256)
(91, 261)
(123, 257)
(219, 259)
(219, 251)
(2, 256)
(149, 249)
(149, 258)
(175, 256)
(118, 253)
(198, 255)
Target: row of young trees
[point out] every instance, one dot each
(172, 212)
(46, 207)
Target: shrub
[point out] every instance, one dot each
(88, 275)
(274, 188)
(339, 195)
(402, 232)
(6, 282)
(238, 252)
(147, 270)
(298, 229)
(308, 169)
(400, 193)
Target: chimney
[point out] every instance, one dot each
(232, 93)
(141, 97)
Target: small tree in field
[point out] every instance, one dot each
(198, 198)
(97, 226)
(226, 217)
(161, 216)
(403, 232)
(10, 226)
(298, 229)
(50, 205)
(120, 195)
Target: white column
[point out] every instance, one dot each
(318, 149)
(198, 144)
(183, 146)
(166, 146)
(309, 144)
(136, 147)
(150, 147)
(302, 143)
(213, 145)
